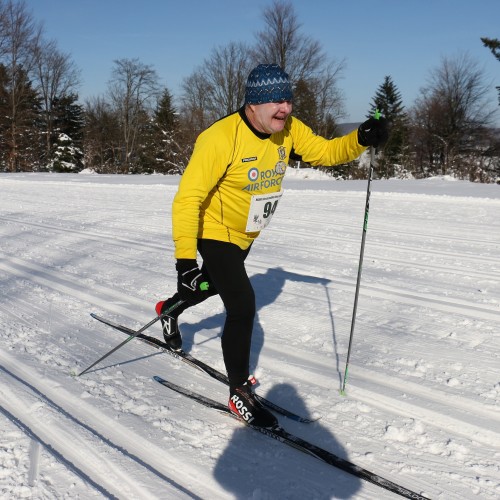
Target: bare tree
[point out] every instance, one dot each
(283, 43)
(226, 72)
(452, 111)
(101, 137)
(134, 90)
(195, 103)
(217, 87)
(57, 77)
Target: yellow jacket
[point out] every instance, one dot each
(231, 164)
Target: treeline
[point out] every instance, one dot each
(136, 127)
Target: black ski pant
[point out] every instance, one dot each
(224, 266)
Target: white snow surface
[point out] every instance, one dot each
(423, 391)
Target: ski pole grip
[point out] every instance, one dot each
(373, 150)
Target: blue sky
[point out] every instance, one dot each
(405, 39)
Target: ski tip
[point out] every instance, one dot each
(157, 378)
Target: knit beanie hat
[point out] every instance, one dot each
(268, 83)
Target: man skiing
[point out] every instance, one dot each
(227, 195)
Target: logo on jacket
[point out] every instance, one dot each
(250, 158)
(253, 174)
(280, 167)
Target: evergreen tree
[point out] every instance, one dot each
(68, 120)
(67, 157)
(19, 122)
(494, 45)
(165, 113)
(168, 156)
(4, 117)
(388, 102)
(304, 104)
(147, 154)
(307, 109)
(69, 117)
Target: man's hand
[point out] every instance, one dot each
(373, 132)
(189, 281)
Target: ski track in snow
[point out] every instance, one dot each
(423, 389)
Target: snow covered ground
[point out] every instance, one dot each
(422, 404)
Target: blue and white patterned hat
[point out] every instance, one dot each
(268, 83)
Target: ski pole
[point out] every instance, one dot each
(152, 322)
(361, 253)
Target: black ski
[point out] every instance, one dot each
(300, 444)
(200, 365)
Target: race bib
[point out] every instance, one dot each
(262, 208)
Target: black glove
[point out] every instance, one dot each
(190, 284)
(374, 132)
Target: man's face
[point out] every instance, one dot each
(270, 117)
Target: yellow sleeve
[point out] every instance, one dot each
(207, 165)
(319, 151)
